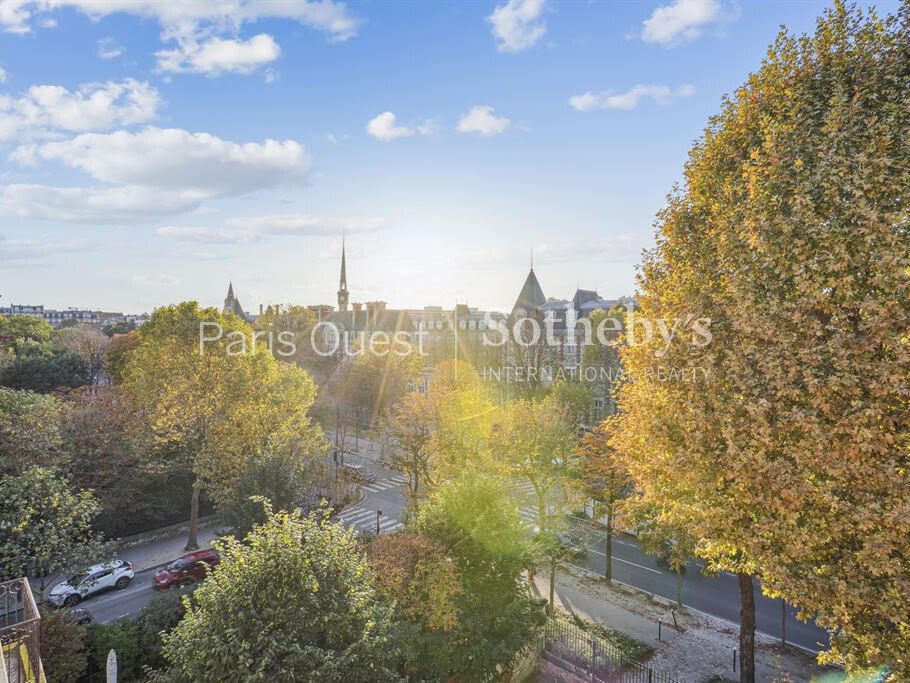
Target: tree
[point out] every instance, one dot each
(90, 344)
(294, 602)
(18, 330)
(410, 427)
(783, 448)
(416, 575)
(45, 369)
(374, 383)
(118, 353)
(477, 523)
(63, 655)
(575, 400)
(45, 525)
(102, 436)
(535, 442)
(605, 481)
(281, 477)
(224, 404)
(601, 367)
(29, 431)
(464, 414)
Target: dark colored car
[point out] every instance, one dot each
(81, 616)
(359, 473)
(187, 569)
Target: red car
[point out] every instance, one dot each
(187, 569)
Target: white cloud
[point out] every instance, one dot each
(14, 16)
(383, 127)
(270, 76)
(256, 228)
(107, 205)
(516, 25)
(661, 94)
(679, 21)
(2, 75)
(481, 120)
(43, 109)
(32, 249)
(218, 55)
(154, 172)
(206, 32)
(109, 49)
(173, 158)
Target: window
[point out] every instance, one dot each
(473, 325)
(461, 324)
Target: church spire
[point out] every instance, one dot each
(343, 282)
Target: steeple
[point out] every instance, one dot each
(343, 283)
(531, 296)
(231, 305)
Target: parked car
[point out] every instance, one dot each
(359, 473)
(574, 549)
(81, 615)
(100, 577)
(186, 569)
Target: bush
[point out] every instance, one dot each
(122, 636)
(161, 615)
(63, 652)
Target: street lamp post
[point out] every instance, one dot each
(378, 513)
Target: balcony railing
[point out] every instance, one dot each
(20, 633)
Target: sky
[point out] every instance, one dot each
(152, 151)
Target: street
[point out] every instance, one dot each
(714, 595)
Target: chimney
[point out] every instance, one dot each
(260, 309)
(356, 307)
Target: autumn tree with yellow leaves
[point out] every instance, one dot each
(785, 448)
(223, 405)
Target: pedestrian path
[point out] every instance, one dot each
(528, 515)
(364, 520)
(395, 481)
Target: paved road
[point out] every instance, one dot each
(715, 595)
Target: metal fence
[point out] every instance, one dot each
(590, 656)
(20, 632)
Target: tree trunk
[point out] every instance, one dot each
(679, 587)
(746, 629)
(608, 569)
(552, 582)
(191, 541)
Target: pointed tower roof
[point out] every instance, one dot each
(230, 294)
(531, 296)
(344, 276)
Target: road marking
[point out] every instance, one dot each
(619, 559)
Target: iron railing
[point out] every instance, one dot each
(20, 632)
(593, 657)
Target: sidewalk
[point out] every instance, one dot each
(702, 648)
(162, 549)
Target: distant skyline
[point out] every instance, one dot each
(151, 152)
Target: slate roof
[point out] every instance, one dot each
(531, 296)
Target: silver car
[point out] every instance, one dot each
(113, 574)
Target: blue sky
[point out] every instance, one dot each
(151, 151)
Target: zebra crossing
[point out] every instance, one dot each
(395, 481)
(525, 489)
(528, 514)
(364, 520)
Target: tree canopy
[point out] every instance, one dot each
(782, 444)
(294, 602)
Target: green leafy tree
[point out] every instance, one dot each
(410, 428)
(45, 369)
(18, 330)
(121, 635)
(477, 523)
(29, 431)
(118, 353)
(295, 602)
(44, 525)
(575, 400)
